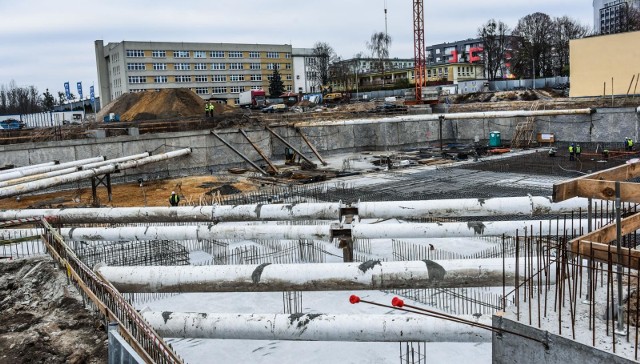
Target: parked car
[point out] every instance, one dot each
(275, 108)
(11, 124)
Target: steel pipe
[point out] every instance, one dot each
(313, 232)
(115, 160)
(528, 205)
(45, 164)
(76, 176)
(45, 169)
(370, 275)
(452, 116)
(307, 211)
(35, 177)
(316, 327)
(455, 229)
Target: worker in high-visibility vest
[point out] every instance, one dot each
(211, 108)
(578, 151)
(572, 151)
(206, 109)
(628, 144)
(174, 199)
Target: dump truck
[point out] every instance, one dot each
(253, 99)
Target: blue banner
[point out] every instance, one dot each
(67, 93)
(80, 90)
(92, 95)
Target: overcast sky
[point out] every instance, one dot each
(45, 43)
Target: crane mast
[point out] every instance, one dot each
(418, 48)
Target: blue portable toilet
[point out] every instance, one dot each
(494, 139)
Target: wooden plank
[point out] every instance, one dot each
(601, 252)
(567, 189)
(607, 233)
(606, 190)
(564, 190)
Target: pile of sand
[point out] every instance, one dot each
(157, 105)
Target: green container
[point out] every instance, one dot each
(494, 139)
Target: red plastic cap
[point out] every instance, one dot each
(354, 299)
(396, 302)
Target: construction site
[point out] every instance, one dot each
(414, 237)
(490, 227)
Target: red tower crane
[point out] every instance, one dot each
(418, 48)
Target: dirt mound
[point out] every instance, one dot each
(157, 105)
(43, 319)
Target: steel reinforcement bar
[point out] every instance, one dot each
(113, 306)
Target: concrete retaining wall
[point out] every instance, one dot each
(209, 154)
(509, 348)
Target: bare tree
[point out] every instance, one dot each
(532, 48)
(19, 100)
(565, 29)
(494, 39)
(323, 55)
(379, 47)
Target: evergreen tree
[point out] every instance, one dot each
(276, 87)
(49, 101)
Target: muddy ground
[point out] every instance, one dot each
(43, 319)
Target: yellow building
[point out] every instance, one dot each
(450, 72)
(212, 70)
(598, 62)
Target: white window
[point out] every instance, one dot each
(236, 78)
(159, 66)
(254, 54)
(135, 53)
(289, 88)
(160, 79)
(287, 55)
(273, 55)
(136, 66)
(256, 77)
(236, 89)
(183, 78)
(199, 54)
(200, 66)
(235, 66)
(202, 90)
(137, 79)
(182, 66)
(256, 87)
(289, 77)
(216, 54)
(272, 66)
(219, 78)
(287, 66)
(219, 90)
(218, 66)
(236, 101)
(181, 54)
(202, 78)
(235, 54)
(254, 66)
(158, 54)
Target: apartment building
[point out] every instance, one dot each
(611, 16)
(462, 51)
(212, 70)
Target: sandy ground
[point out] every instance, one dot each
(192, 190)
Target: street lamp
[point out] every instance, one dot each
(533, 61)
